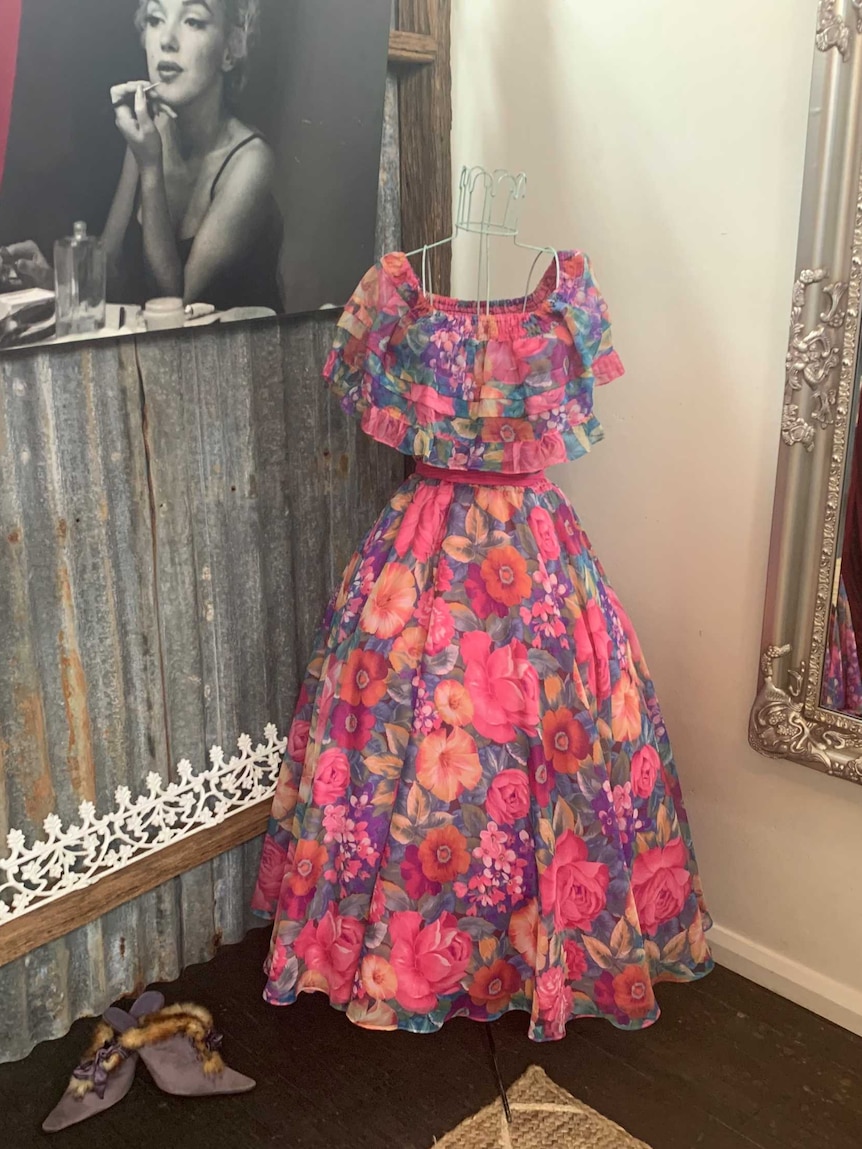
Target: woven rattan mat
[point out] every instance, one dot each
(544, 1116)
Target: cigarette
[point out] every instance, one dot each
(129, 97)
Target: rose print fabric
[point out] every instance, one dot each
(508, 391)
(479, 809)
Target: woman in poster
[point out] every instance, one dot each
(194, 213)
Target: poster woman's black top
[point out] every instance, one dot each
(250, 281)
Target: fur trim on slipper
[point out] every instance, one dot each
(183, 1019)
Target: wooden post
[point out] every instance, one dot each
(425, 111)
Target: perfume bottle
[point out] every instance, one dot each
(79, 283)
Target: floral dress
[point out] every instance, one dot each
(478, 810)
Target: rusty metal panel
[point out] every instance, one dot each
(173, 515)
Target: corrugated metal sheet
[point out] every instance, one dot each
(173, 516)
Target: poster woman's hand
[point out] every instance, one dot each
(32, 267)
(137, 124)
(136, 119)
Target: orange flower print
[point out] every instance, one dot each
(453, 702)
(523, 931)
(308, 862)
(567, 745)
(379, 979)
(390, 603)
(500, 502)
(633, 991)
(506, 430)
(407, 649)
(493, 985)
(364, 678)
(448, 764)
(443, 854)
(625, 711)
(504, 572)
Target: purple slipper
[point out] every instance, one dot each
(180, 1048)
(105, 1073)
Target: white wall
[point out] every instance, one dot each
(666, 139)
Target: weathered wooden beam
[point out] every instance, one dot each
(425, 121)
(411, 48)
(56, 919)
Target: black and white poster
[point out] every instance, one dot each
(220, 154)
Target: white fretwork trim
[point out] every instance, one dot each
(71, 859)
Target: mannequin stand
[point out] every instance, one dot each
(492, 1049)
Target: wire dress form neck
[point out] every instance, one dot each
(489, 205)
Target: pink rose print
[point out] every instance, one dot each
(508, 797)
(542, 526)
(351, 725)
(549, 986)
(383, 426)
(661, 884)
(445, 576)
(569, 531)
(429, 404)
(629, 630)
(331, 947)
(297, 740)
(527, 347)
(331, 777)
(501, 362)
(645, 768)
(574, 888)
(601, 644)
(277, 962)
(422, 612)
(441, 627)
(273, 861)
(424, 521)
(576, 960)
(377, 907)
(593, 649)
(429, 960)
(383, 289)
(554, 998)
(503, 685)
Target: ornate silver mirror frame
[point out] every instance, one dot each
(787, 720)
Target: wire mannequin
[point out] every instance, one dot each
(494, 213)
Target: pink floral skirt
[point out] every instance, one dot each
(479, 809)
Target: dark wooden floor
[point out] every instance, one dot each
(728, 1066)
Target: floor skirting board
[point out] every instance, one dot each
(799, 983)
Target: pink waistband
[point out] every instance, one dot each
(480, 478)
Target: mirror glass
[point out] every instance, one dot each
(842, 667)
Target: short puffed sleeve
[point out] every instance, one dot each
(588, 318)
(370, 318)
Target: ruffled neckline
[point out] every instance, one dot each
(508, 391)
(501, 314)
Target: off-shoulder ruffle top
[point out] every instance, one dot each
(508, 391)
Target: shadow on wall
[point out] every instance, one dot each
(612, 139)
